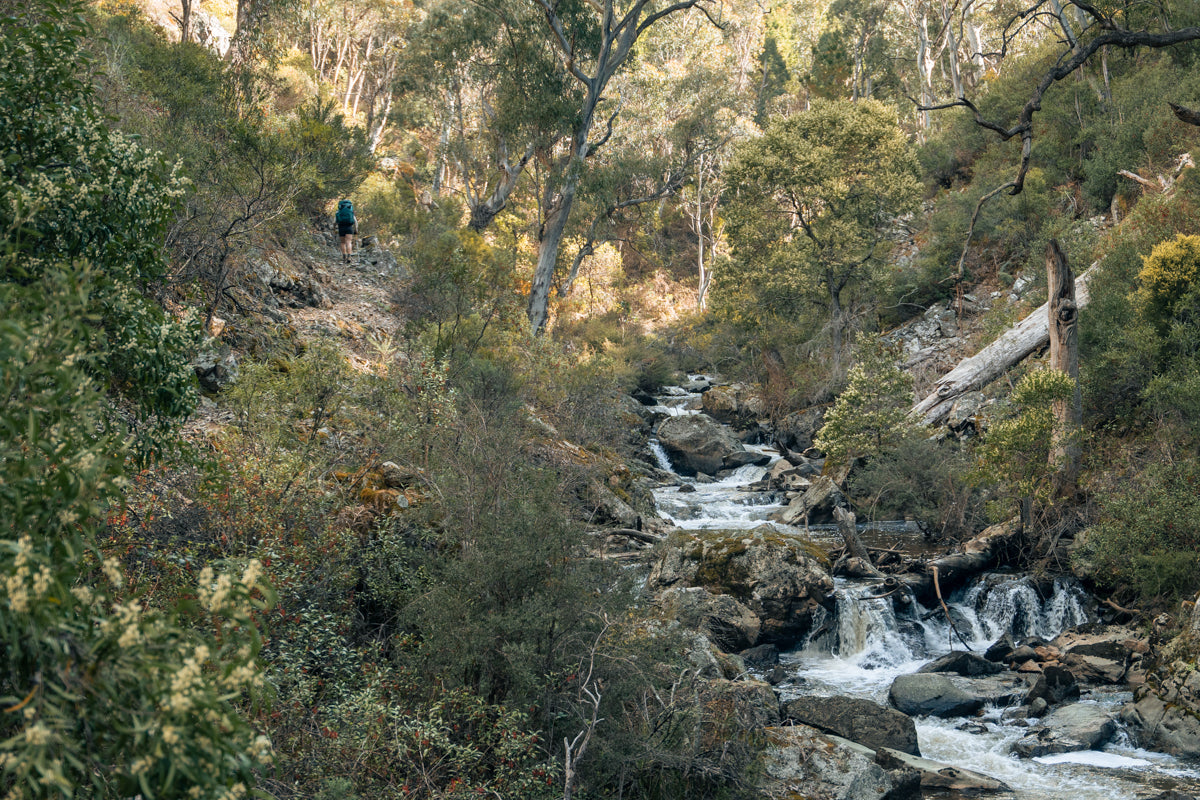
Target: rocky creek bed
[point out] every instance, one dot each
(1017, 689)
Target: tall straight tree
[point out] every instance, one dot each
(594, 39)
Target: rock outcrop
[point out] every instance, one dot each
(858, 720)
(696, 443)
(781, 578)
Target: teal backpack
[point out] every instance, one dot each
(345, 213)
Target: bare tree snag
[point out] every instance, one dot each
(1063, 325)
(1185, 114)
(859, 562)
(991, 362)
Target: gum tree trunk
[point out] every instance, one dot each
(1063, 324)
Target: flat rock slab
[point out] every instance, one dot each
(858, 720)
(936, 775)
(932, 695)
(800, 761)
(1079, 726)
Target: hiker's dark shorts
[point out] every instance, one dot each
(345, 230)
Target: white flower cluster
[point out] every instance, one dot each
(26, 585)
(186, 681)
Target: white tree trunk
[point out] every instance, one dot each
(991, 362)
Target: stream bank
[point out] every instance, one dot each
(1016, 688)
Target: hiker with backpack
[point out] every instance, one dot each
(347, 227)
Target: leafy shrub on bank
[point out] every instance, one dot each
(72, 190)
(1147, 539)
(108, 697)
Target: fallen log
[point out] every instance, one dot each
(978, 554)
(991, 362)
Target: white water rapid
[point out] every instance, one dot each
(864, 644)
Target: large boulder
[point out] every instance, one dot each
(802, 762)
(858, 720)
(735, 404)
(727, 623)
(797, 430)
(1079, 726)
(816, 505)
(781, 578)
(932, 694)
(1165, 715)
(696, 443)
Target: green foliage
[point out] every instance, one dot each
(1147, 538)
(814, 197)
(871, 415)
(73, 190)
(1015, 452)
(335, 157)
(136, 703)
(1169, 274)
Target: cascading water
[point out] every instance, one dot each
(860, 647)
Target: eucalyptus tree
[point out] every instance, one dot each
(810, 204)
(594, 41)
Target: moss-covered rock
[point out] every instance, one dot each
(781, 577)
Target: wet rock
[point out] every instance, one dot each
(697, 384)
(1094, 670)
(799, 761)
(603, 507)
(930, 694)
(941, 778)
(727, 623)
(697, 443)
(858, 720)
(962, 663)
(743, 457)
(778, 576)
(816, 504)
(1054, 685)
(997, 690)
(776, 675)
(1079, 726)
(761, 656)
(643, 397)
(1000, 649)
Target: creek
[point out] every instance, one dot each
(863, 644)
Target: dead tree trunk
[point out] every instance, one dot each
(994, 360)
(859, 561)
(1063, 323)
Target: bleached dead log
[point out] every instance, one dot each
(991, 362)
(991, 547)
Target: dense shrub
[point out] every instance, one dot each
(71, 190)
(1147, 539)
